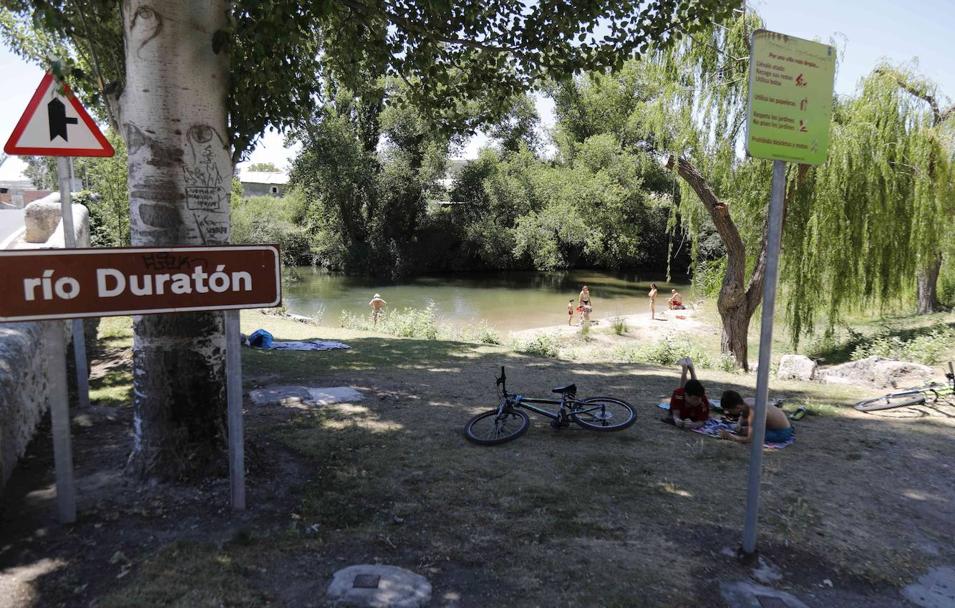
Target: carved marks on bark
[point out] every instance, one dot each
(151, 19)
(201, 186)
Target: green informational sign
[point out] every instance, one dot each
(790, 98)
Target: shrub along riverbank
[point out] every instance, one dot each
(925, 339)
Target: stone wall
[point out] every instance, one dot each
(24, 396)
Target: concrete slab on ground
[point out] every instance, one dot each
(936, 589)
(379, 586)
(304, 395)
(744, 594)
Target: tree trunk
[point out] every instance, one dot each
(927, 283)
(734, 339)
(180, 170)
(736, 304)
(733, 303)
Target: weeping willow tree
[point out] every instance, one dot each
(697, 119)
(872, 227)
(686, 105)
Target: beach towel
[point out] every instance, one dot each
(714, 404)
(713, 426)
(308, 345)
(264, 340)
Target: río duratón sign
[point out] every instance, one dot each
(65, 284)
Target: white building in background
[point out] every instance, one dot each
(16, 189)
(263, 183)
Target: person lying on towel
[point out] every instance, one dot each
(689, 407)
(778, 427)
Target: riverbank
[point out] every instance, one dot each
(637, 326)
(390, 479)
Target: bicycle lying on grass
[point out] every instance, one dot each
(508, 422)
(913, 396)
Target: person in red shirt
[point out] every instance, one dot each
(689, 407)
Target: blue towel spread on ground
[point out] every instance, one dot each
(264, 340)
(713, 426)
(308, 345)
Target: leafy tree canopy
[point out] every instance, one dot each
(264, 167)
(451, 54)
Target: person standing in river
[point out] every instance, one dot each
(653, 300)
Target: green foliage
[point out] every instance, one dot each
(708, 277)
(105, 195)
(364, 210)
(486, 334)
(543, 345)
(281, 49)
(928, 348)
(619, 326)
(519, 127)
(404, 323)
(668, 351)
(264, 167)
(879, 208)
(42, 172)
(272, 220)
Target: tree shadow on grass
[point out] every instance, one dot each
(391, 477)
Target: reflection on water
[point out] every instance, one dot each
(506, 300)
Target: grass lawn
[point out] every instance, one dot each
(644, 517)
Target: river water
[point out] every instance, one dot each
(506, 300)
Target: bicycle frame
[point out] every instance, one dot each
(517, 401)
(932, 390)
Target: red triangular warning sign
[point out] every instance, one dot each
(56, 124)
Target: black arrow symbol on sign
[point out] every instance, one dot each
(56, 112)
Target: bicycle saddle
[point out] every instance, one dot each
(570, 388)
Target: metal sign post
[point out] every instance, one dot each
(56, 284)
(64, 166)
(765, 353)
(56, 124)
(790, 107)
(233, 372)
(46, 284)
(60, 421)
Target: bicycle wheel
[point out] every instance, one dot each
(603, 414)
(892, 401)
(490, 428)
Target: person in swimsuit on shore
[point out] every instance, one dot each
(676, 301)
(583, 304)
(778, 427)
(653, 300)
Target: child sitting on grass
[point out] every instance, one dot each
(778, 428)
(689, 407)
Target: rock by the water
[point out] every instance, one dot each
(878, 372)
(379, 586)
(796, 367)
